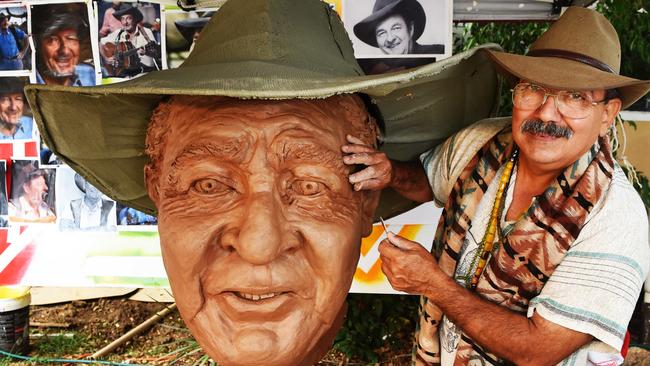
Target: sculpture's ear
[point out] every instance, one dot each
(369, 205)
(151, 182)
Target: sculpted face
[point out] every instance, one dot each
(260, 229)
(61, 52)
(394, 35)
(11, 107)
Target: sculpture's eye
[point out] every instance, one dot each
(307, 187)
(209, 186)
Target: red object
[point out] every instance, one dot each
(626, 344)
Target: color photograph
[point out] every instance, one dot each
(15, 50)
(32, 193)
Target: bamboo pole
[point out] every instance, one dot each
(133, 332)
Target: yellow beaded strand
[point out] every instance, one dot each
(490, 233)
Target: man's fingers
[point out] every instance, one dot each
(401, 242)
(354, 140)
(350, 149)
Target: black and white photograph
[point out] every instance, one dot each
(81, 206)
(4, 209)
(32, 197)
(62, 38)
(129, 38)
(182, 29)
(130, 216)
(15, 50)
(399, 28)
(373, 66)
(16, 122)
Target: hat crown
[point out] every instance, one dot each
(586, 32)
(280, 32)
(380, 4)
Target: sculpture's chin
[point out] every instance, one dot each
(300, 343)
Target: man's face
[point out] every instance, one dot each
(128, 24)
(92, 192)
(259, 227)
(548, 153)
(394, 36)
(11, 107)
(4, 23)
(35, 190)
(61, 52)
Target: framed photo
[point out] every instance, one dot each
(15, 48)
(399, 28)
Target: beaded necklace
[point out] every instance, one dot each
(485, 248)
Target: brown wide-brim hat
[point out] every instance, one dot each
(135, 13)
(580, 51)
(411, 10)
(260, 49)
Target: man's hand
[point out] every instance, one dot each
(378, 172)
(408, 266)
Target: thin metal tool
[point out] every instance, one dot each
(384, 225)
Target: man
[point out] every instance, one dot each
(58, 39)
(13, 124)
(240, 148)
(190, 28)
(29, 204)
(132, 49)
(394, 27)
(542, 248)
(90, 212)
(12, 41)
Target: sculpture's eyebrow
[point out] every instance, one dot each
(231, 150)
(307, 152)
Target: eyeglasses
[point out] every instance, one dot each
(57, 41)
(571, 104)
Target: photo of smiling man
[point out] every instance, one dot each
(63, 49)
(399, 28)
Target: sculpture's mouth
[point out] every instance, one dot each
(257, 297)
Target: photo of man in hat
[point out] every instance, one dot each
(132, 49)
(394, 27)
(183, 29)
(63, 50)
(85, 207)
(32, 193)
(542, 248)
(109, 23)
(14, 124)
(237, 152)
(14, 43)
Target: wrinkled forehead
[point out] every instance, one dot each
(594, 93)
(324, 120)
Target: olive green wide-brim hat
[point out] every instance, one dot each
(268, 49)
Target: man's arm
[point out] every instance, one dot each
(512, 336)
(407, 178)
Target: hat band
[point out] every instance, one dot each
(573, 56)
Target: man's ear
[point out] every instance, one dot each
(370, 203)
(609, 115)
(412, 29)
(151, 183)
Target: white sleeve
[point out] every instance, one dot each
(595, 287)
(444, 163)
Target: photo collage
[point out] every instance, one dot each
(86, 43)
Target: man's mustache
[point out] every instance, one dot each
(539, 127)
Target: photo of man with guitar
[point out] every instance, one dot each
(131, 50)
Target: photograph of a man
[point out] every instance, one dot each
(132, 49)
(14, 42)
(84, 206)
(395, 28)
(14, 124)
(62, 41)
(32, 198)
(183, 29)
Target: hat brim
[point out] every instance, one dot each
(100, 131)
(365, 29)
(558, 73)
